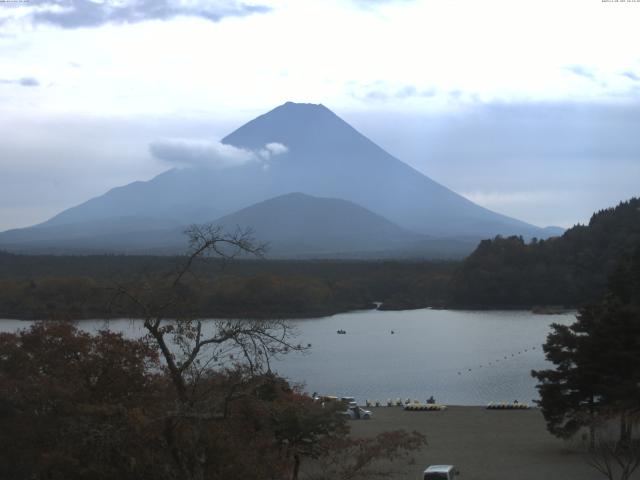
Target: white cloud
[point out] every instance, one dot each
(211, 154)
(72, 14)
(417, 58)
(272, 149)
(23, 82)
(490, 50)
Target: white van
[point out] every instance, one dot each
(440, 472)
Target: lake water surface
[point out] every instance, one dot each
(459, 357)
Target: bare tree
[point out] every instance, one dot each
(191, 348)
(384, 456)
(613, 457)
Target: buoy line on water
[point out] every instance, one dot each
(493, 363)
(467, 369)
(505, 357)
(508, 406)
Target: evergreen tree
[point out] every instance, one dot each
(596, 375)
(571, 270)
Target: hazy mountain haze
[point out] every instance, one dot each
(546, 137)
(293, 148)
(330, 158)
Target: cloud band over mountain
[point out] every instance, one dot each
(212, 154)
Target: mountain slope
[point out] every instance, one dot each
(113, 235)
(294, 225)
(299, 224)
(326, 157)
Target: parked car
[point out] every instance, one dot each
(440, 472)
(355, 412)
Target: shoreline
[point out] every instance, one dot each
(482, 443)
(304, 316)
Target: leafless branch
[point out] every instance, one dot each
(254, 341)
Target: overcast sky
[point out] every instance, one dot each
(530, 108)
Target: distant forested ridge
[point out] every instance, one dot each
(81, 287)
(569, 271)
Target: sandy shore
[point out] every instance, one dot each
(484, 444)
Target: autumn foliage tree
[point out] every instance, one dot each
(74, 405)
(192, 400)
(81, 406)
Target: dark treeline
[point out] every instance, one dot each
(592, 382)
(76, 287)
(567, 271)
(592, 392)
(570, 271)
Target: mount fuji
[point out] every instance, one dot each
(321, 156)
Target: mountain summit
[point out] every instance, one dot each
(328, 157)
(302, 127)
(324, 157)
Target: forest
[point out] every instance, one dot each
(565, 272)
(568, 271)
(77, 287)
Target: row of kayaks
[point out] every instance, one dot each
(417, 406)
(426, 407)
(390, 403)
(508, 406)
(407, 405)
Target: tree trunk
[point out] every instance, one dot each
(592, 425)
(625, 431)
(296, 466)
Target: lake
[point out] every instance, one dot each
(459, 357)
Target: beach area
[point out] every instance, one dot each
(484, 444)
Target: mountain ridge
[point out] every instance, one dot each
(326, 158)
(294, 225)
